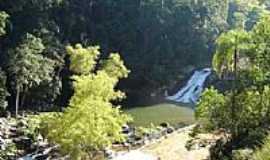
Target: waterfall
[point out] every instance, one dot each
(191, 92)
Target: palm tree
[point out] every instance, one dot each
(229, 46)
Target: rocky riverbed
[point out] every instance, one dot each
(19, 140)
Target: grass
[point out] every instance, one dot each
(156, 114)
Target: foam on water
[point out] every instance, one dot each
(191, 92)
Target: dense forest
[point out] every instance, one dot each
(160, 41)
(77, 62)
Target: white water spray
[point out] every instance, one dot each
(192, 91)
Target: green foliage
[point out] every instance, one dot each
(263, 153)
(212, 110)
(227, 44)
(148, 32)
(33, 127)
(142, 131)
(162, 40)
(115, 67)
(243, 111)
(3, 92)
(3, 18)
(9, 151)
(28, 65)
(245, 13)
(82, 60)
(91, 122)
(253, 108)
(261, 52)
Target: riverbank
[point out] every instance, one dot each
(20, 139)
(172, 147)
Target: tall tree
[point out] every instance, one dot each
(3, 89)
(28, 67)
(230, 46)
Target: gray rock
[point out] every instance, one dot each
(170, 130)
(164, 125)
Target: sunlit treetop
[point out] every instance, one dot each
(227, 44)
(82, 60)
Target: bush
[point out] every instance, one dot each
(250, 112)
(32, 126)
(91, 122)
(264, 152)
(213, 111)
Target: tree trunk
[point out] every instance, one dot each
(233, 107)
(24, 94)
(17, 101)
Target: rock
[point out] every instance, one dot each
(201, 141)
(192, 145)
(139, 143)
(13, 129)
(22, 123)
(39, 138)
(220, 149)
(23, 142)
(134, 155)
(109, 153)
(155, 135)
(164, 125)
(126, 129)
(3, 121)
(138, 138)
(202, 145)
(170, 130)
(163, 131)
(131, 140)
(146, 141)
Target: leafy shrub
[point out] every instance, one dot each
(91, 122)
(212, 110)
(250, 111)
(264, 152)
(33, 126)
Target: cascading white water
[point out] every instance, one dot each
(191, 92)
